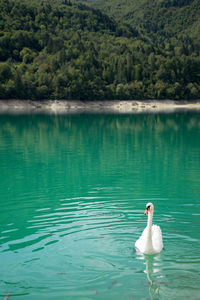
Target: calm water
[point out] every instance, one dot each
(72, 192)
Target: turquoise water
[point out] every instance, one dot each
(72, 192)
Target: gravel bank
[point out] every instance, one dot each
(71, 106)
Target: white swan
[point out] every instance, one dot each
(150, 242)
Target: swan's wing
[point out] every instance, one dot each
(157, 238)
(140, 243)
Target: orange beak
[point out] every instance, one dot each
(146, 211)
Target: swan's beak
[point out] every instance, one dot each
(146, 211)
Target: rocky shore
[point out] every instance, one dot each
(72, 106)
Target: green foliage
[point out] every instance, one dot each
(63, 50)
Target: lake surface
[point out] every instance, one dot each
(73, 190)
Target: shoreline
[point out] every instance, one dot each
(99, 106)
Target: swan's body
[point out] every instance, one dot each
(150, 241)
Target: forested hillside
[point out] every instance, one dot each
(63, 50)
(160, 19)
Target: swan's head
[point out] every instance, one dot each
(149, 208)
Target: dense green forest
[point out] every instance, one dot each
(159, 19)
(71, 50)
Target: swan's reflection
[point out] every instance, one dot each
(152, 265)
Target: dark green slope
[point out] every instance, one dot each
(59, 50)
(51, 49)
(157, 18)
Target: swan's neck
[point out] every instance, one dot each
(149, 228)
(149, 222)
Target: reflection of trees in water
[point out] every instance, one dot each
(125, 145)
(41, 127)
(110, 132)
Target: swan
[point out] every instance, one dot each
(150, 242)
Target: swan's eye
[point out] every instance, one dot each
(147, 209)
